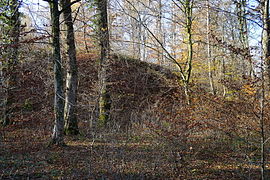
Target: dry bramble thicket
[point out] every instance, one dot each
(153, 133)
(134, 89)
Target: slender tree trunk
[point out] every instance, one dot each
(266, 35)
(144, 50)
(58, 130)
(160, 32)
(136, 34)
(262, 126)
(136, 29)
(266, 58)
(10, 74)
(104, 99)
(247, 67)
(173, 31)
(84, 31)
(209, 58)
(70, 109)
(188, 13)
(223, 63)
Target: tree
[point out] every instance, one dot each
(262, 126)
(71, 123)
(103, 33)
(160, 32)
(187, 8)
(11, 26)
(58, 130)
(266, 34)
(185, 68)
(243, 33)
(266, 58)
(135, 28)
(209, 54)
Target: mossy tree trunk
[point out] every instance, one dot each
(10, 73)
(58, 130)
(71, 123)
(266, 57)
(188, 9)
(103, 32)
(266, 35)
(209, 53)
(186, 6)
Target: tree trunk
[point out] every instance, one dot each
(247, 66)
(85, 31)
(209, 58)
(58, 130)
(266, 57)
(266, 35)
(10, 74)
(70, 116)
(136, 38)
(160, 33)
(136, 28)
(262, 128)
(104, 99)
(188, 13)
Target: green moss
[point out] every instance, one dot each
(71, 131)
(71, 126)
(102, 120)
(5, 119)
(28, 105)
(104, 109)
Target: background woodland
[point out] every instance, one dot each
(125, 89)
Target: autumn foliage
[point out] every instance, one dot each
(153, 133)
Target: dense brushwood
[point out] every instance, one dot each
(169, 137)
(141, 93)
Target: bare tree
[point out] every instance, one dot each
(58, 130)
(241, 6)
(10, 73)
(70, 116)
(266, 58)
(266, 33)
(209, 53)
(103, 33)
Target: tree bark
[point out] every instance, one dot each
(160, 32)
(266, 35)
(136, 28)
(10, 74)
(104, 99)
(266, 58)
(209, 57)
(247, 67)
(85, 31)
(136, 38)
(58, 130)
(188, 13)
(70, 116)
(262, 128)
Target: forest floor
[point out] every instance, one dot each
(24, 155)
(140, 152)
